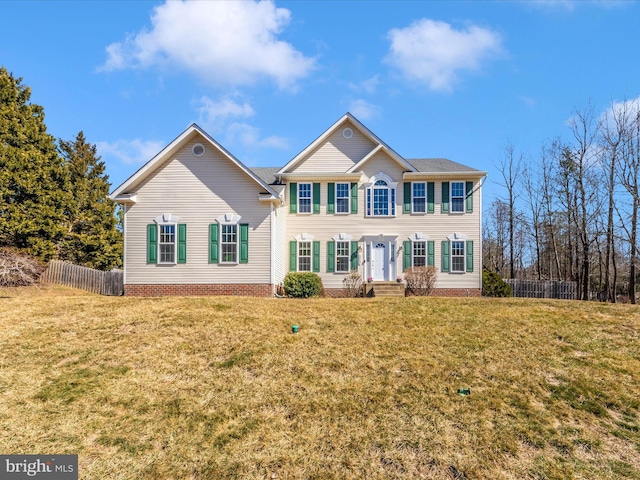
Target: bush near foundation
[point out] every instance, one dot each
(420, 280)
(493, 285)
(302, 285)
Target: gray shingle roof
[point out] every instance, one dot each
(266, 174)
(439, 165)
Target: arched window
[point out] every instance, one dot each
(381, 196)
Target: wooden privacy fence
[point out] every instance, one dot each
(96, 281)
(543, 289)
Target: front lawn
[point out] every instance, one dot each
(219, 387)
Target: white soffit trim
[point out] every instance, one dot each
(390, 153)
(156, 161)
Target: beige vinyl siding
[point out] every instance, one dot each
(337, 154)
(381, 162)
(280, 247)
(198, 190)
(436, 226)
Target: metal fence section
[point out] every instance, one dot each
(543, 289)
(96, 281)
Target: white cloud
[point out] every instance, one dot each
(368, 86)
(364, 110)
(224, 43)
(249, 136)
(619, 110)
(131, 151)
(433, 52)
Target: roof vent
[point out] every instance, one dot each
(347, 133)
(198, 149)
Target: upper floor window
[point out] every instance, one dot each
(419, 197)
(457, 197)
(167, 243)
(343, 192)
(304, 198)
(381, 196)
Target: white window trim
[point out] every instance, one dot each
(458, 237)
(304, 237)
(342, 237)
(451, 198)
(419, 237)
(310, 198)
(369, 200)
(425, 198)
(348, 198)
(166, 219)
(229, 219)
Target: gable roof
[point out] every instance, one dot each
(152, 165)
(364, 130)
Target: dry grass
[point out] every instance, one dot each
(209, 388)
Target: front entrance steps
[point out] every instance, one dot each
(384, 289)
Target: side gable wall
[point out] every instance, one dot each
(198, 190)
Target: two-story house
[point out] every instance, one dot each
(198, 221)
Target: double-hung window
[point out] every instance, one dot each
(457, 256)
(304, 256)
(229, 244)
(457, 197)
(343, 192)
(419, 197)
(419, 253)
(167, 243)
(342, 257)
(304, 198)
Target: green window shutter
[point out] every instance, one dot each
(316, 256)
(469, 191)
(331, 197)
(407, 198)
(244, 243)
(293, 256)
(316, 198)
(293, 197)
(152, 243)
(354, 255)
(331, 256)
(406, 255)
(430, 197)
(469, 254)
(445, 256)
(444, 207)
(431, 250)
(182, 243)
(354, 198)
(214, 250)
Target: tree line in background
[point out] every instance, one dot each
(572, 213)
(53, 195)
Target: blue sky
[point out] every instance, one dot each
(451, 79)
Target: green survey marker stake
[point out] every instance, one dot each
(295, 329)
(464, 392)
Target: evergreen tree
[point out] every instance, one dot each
(33, 181)
(91, 237)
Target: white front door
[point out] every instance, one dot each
(379, 264)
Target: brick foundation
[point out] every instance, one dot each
(436, 292)
(456, 292)
(246, 290)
